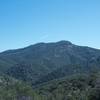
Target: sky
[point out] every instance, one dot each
(26, 22)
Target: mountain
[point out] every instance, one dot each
(48, 60)
(50, 71)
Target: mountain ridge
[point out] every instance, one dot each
(47, 59)
(61, 41)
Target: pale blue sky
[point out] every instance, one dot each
(25, 22)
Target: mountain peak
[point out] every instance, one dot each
(64, 42)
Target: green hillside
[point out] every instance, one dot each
(41, 60)
(77, 87)
(50, 71)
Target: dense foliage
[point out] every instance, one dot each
(12, 89)
(77, 87)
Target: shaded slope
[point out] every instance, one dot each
(78, 87)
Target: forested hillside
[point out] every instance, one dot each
(53, 60)
(77, 87)
(50, 71)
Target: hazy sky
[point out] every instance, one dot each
(25, 22)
